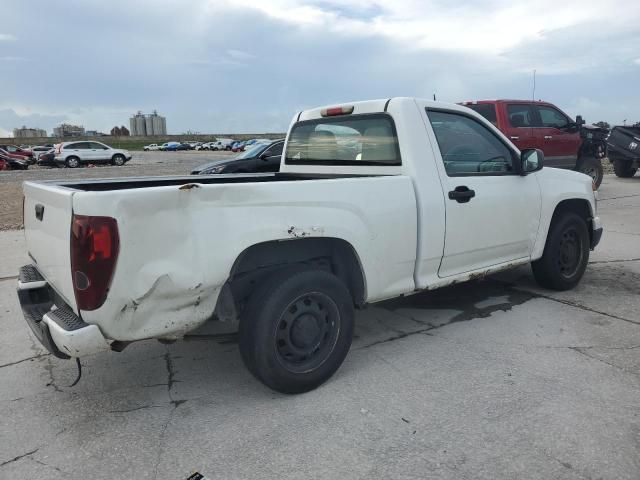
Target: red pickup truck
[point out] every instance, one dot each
(535, 124)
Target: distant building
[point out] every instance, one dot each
(119, 131)
(94, 133)
(25, 132)
(66, 130)
(148, 124)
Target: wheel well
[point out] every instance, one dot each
(259, 261)
(577, 206)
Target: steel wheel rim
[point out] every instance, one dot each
(307, 332)
(570, 252)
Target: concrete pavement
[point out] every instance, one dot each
(494, 379)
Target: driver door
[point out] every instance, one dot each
(492, 212)
(560, 144)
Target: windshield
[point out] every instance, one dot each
(344, 140)
(252, 151)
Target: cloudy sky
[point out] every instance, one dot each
(219, 66)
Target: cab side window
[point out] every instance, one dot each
(274, 150)
(468, 147)
(521, 115)
(552, 118)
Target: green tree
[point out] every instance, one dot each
(603, 125)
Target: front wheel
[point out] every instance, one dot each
(593, 168)
(297, 329)
(118, 160)
(566, 253)
(623, 169)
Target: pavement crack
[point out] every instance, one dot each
(11, 277)
(583, 352)
(40, 355)
(170, 372)
(52, 381)
(49, 466)
(142, 407)
(596, 262)
(396, 337)
(616, 198)
(19, 457)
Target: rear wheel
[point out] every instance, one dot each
(592, 167)
(72, 162)
(118, 160)
(623, 169)
(297, 329)
(566, 253)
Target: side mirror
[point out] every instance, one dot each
(264, 157)
(531, 160)
(579, 120)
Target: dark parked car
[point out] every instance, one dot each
(184, 146)
(261, 157)
(47, 158)
(624, 150)
(12, 163)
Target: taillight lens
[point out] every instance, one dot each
(94, 250)
(334, 111)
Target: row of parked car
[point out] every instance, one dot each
(69, 154)
(220, 144)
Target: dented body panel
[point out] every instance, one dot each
(179, 245)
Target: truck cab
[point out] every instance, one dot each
(542, 125)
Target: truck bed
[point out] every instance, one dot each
(126, 183)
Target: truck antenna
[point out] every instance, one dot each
(533, 93)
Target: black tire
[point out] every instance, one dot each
(566, 253)
(72, 162)
(118, 160)
(592, 167)
(623, 169)
(296, 329)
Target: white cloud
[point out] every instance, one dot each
(492, 27)
(240, 55)
(7, 37)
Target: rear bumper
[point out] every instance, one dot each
(52, 321)
(596, 233)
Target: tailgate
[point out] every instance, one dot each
(47, 225)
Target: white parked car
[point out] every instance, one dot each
(374, 200)
(221, 144)
(74, 154)
(204, 146)
(152, 147)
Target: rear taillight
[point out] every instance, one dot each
(58, 149)
(94, 251)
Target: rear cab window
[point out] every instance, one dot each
(367, 139)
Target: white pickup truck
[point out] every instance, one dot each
(374, 200)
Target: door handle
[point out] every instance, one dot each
(461, 194)
(514, 138)
(548, 137)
